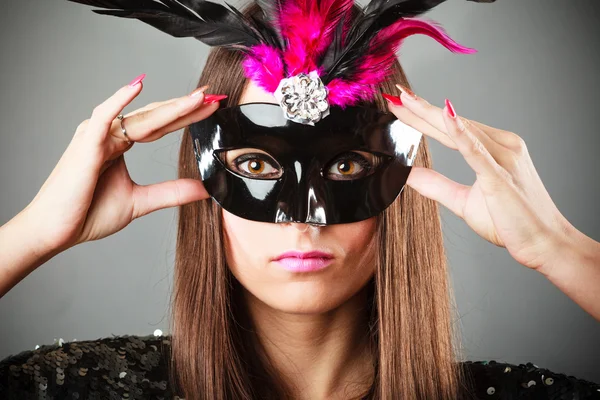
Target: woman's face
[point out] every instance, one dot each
(253, 247)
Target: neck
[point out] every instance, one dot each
(319, 356)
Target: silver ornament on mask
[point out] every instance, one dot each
(303, 98)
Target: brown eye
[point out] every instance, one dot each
(347, 167)
(351, 165)
(256, 166)
(252, 163)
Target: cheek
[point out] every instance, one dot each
(357, 239)
(249, 245)
(246, 241)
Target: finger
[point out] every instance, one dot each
(408, 117)
(87, 147)
(509, 139)
(433, 115)
(149, 198)
(104, 114)
(117, 149)
(142, 125)
(150, 106)
(436, 186)
(197, 115)
(475, 153)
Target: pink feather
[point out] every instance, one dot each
(374, 66)
(264, 66)
(308, 27)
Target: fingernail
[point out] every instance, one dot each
(407, 91)
(450, 108)
(137, 80)
(213, 98)
(392, 99)
(198, 91)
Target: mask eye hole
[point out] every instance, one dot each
(352, 165)
(251, 163)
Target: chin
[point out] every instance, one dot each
(305, 297)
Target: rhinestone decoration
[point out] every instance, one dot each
(303, 98)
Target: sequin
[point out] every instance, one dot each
(96, 369)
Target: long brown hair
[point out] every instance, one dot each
(215, 353)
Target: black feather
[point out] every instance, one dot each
(271, 10)
(131, 4)
(217, 25)
(211, 23)
(377, 15)
(272, 36)
(335, 48)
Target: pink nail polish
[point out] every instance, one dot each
(213, 98)
(137, 80)
(392, 99)
(450, 108)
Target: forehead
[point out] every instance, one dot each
(255, 94)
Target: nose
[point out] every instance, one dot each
(301, 227)
(309, 204)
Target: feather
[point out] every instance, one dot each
(272, 36)
(271, 10)
(374, 66)
(376, 16)
(308, 28)
(211, 23)
(264, 65)
(352, 56)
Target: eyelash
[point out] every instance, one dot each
(366, 166)
(355, 157)
(255, 156)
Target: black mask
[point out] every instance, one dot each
(347, 168)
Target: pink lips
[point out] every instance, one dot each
(297, 261)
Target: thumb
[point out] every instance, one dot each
(436, 186)
(149, 198)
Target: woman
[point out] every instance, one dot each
(365, 324)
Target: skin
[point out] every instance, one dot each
(507, 204)
(311, 323)
(89, 194)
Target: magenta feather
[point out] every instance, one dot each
(298, 36)
(309, 27)
(264, 65)
(374, 66)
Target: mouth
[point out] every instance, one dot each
(297, 261)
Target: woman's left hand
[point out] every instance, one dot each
(507, 205)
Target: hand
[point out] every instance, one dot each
(89, 194)
(508, 204)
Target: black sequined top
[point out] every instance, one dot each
(135, 367)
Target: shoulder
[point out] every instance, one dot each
(497, 380)
(131, 367)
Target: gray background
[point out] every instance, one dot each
(536, 74)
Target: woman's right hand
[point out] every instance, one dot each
(89, 195)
